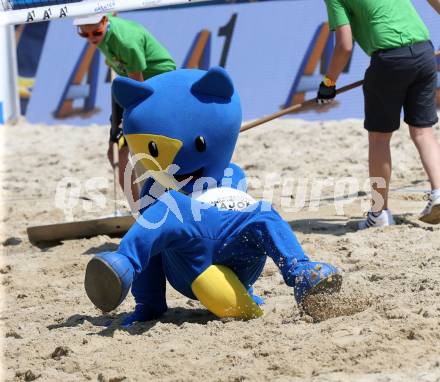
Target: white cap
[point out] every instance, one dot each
(86, 20)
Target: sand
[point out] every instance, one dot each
(384, 326)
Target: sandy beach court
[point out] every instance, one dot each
(388, 323)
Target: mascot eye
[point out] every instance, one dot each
(200, 144)
(152, 147)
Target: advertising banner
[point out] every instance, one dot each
(275, 51)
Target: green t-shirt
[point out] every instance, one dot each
(378, 24)
(129, 47)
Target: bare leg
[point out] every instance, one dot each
(379, 160)
(429, 151)
(124, 164)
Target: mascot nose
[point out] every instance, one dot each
(156, 152)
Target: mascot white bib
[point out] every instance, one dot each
(226, 198)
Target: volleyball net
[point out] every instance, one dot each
(8, 5)
(16, 12)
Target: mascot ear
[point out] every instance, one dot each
(215, 82)
(129, 92)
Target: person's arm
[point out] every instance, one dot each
(435, 4)
(341, 53)
(138, 76)
(340, 23)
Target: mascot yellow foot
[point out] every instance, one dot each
(222, 293)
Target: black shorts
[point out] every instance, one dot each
(402, 77)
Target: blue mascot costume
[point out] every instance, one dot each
(199, 229)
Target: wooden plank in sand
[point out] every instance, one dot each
(113, 226)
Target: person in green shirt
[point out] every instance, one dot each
(130, 51)
(402, 74)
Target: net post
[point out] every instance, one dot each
(9, 97)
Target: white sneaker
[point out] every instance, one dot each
(384, 219)
(431, 213)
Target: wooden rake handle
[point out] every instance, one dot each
(298, 106)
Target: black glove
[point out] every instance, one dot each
(115, 134)
(326, 94)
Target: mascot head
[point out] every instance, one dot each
(183, 125)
